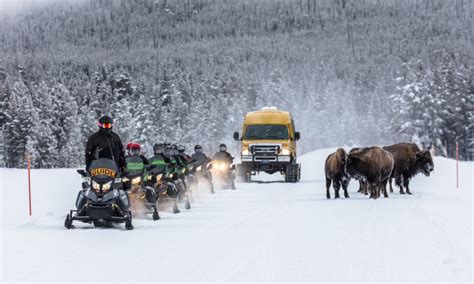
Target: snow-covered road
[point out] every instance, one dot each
(268, 230)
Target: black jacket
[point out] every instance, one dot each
(223, 156)
(200, 158)
(105, 145)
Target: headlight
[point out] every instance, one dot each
(148, 177)
(171, 175)
(245, 152)
(199, 168)
(125, 179)
(285, 152)
(136, 180)
(158, 177)
(95, 185)
(106, 186)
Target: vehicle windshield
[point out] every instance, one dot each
(266, 132)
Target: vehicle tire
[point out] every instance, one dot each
(68, 222)
(291, 173)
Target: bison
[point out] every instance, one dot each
(409, 161)
(334, 169)
(362, 184)
(372, 166)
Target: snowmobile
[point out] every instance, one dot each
(203, 173)
(165, 188)
(102, 200)
(177, 176)
(224, 173)
(140, 190)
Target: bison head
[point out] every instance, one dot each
(424, 162)
(341, 155)
(351, 166)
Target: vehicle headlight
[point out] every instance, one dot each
(285, 152)
(158, 177)
(125, 179)
(171, 175)
(106, 186)
(245, 152)
(199, 168)
(95, 185)
(136, 180)
(148, 177)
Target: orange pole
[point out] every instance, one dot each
(29, 183)
(457, 165)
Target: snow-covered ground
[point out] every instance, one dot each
(268, 230)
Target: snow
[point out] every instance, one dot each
(263, 231)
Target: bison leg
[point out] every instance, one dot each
(406, 182)
(337, 185)
(365, 188)
(328, 185)
(384, 185)
(390, 183)
(361, 186)
(398, 181)
(345, 184)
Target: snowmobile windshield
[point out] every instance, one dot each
(103, 170)
(262, 132)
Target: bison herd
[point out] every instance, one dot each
(374, 167)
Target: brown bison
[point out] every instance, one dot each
(362, 184)
(409, 161)
(372, 166)
(334, 169)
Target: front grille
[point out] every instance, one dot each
(265, 150)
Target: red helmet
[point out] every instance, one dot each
(135, 146)
(129, 146)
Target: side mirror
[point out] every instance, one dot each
(232, 167)
(82, 172)
(297, 136)
(236, 136)
(85, 185)
(209, 166)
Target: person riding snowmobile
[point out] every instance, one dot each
(127, 149)
(201, 161)
(161, 175)
(223, 160)
(136, 179)
(105, 144)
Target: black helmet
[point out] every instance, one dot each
(106, 119)
(106, 123)
(181, 148)
(198, 149)
(222, 147)
(158, 148)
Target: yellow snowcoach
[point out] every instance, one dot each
(268, 145)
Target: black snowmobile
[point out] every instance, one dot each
(163, 184)
(223, 170)
(140, 189)
(102, 200)
(203, 172)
